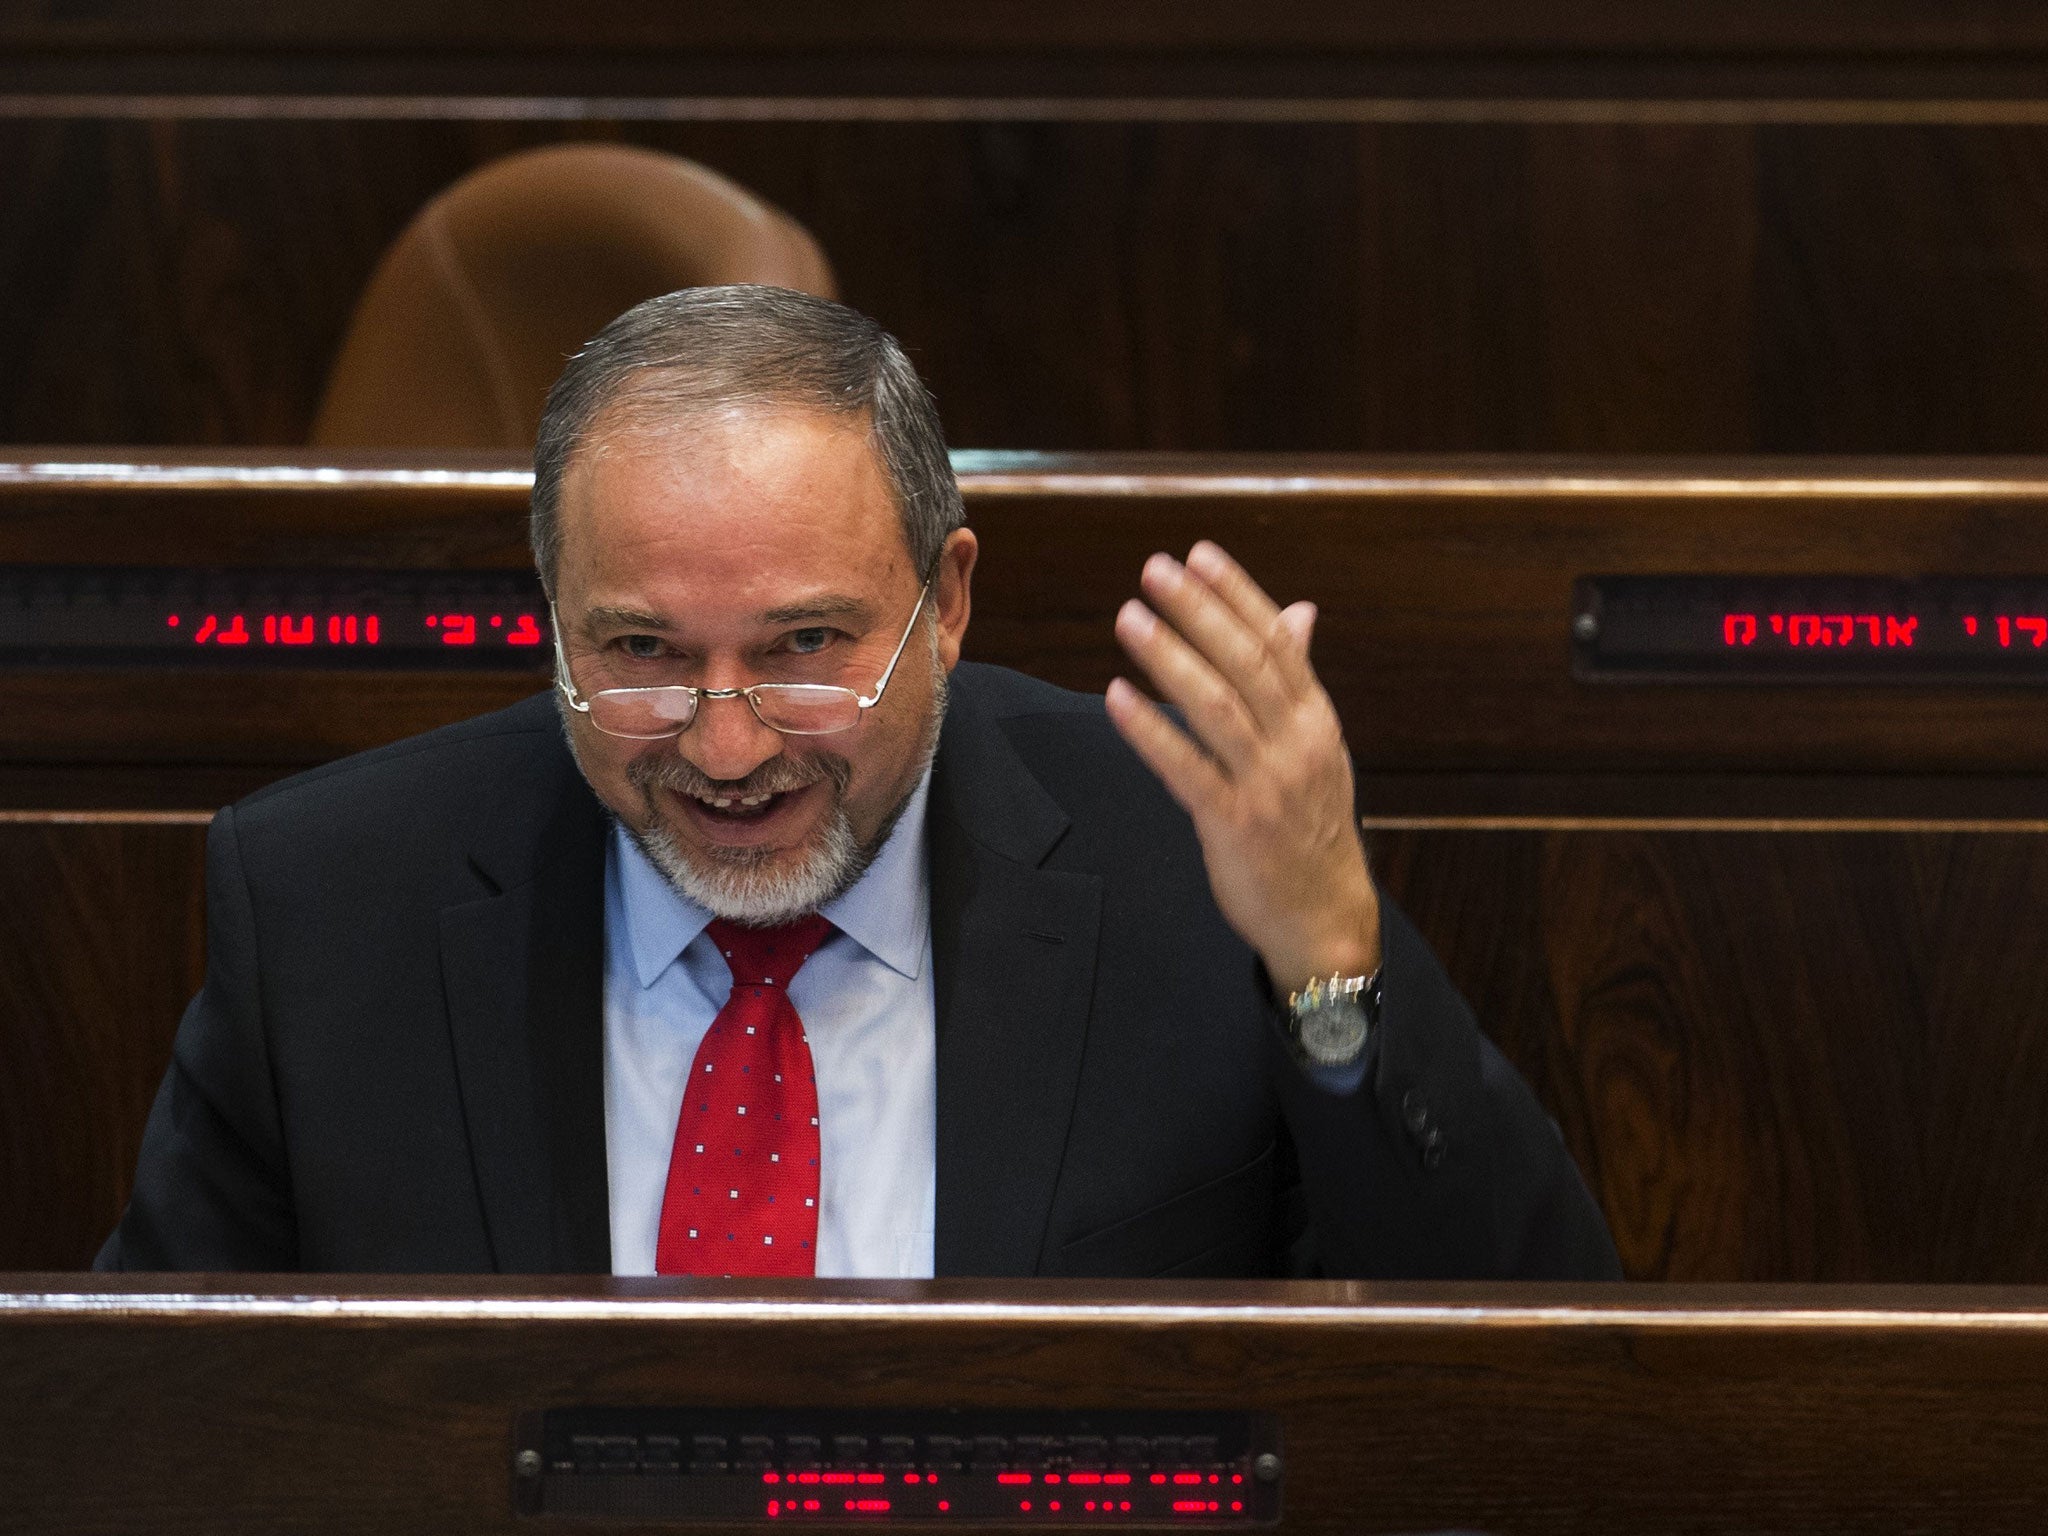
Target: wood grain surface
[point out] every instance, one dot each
(1445, 587)
(102, 941)
(1533, 1412)
(1786, 1053)
(1705, 284)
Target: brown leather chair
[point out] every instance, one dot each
(472, 311)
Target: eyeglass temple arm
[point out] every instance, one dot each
(564, 683)
(890, 670)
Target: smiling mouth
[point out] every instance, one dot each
(722, 813)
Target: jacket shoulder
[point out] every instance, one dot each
(395, 795)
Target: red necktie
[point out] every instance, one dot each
(742, 1195)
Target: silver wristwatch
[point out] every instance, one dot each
(1331, 1018)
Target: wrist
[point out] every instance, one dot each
(1350, 949)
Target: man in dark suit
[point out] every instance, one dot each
(1092, 992)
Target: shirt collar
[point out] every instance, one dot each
(887, 912)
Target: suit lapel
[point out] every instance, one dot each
(1013, 950)
(523, 970)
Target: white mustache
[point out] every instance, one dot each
(778, 775)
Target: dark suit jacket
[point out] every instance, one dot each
(396, 1063)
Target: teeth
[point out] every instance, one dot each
(727, 802)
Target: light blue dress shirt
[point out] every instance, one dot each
(865, 998)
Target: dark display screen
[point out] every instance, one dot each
(1851, 629)
(838, 1467)
(105, 616)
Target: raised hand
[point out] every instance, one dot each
(1262, 767)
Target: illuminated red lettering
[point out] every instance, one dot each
(1116, 1477)
(868, 1506)
(1013, 1477)
(1084, 1477)
(334, 629)
(497, 622)
(298, 632)
(838, 1477)
(1190, 1507)
(1876, 625)
(1811, 627)
(370, 629)
(270, 629)
(348, 629)
(775, 1506)
(771, 1477)
(870, 1477)
(944, 1505)
(1777, 623)
(1738, 628)
(206, 630)
(172, 621)
(234, 634)
(1187, 1477)
(1900, 631)
(458, 629)
(2038, 628)
(1841, 627)
(525, 632)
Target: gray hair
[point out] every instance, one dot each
(707, 349)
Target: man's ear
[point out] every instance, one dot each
(951, 592)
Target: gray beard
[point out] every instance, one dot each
(738, 884)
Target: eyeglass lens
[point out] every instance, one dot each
(798, 709)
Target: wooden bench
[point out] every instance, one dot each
(1759, 948)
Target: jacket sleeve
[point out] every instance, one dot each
(1437, 1162)
(212, 1189)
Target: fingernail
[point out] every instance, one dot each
(1203, 557)
(1162, 567)
(1137, 618)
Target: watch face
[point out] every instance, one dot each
(1333, 1034)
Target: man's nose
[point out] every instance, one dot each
(727, 739)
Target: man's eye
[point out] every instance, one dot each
(808, 642)
(641, 647)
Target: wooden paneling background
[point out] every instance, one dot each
(102, 942)
(1763, 951)
(1777, 1052)
(1621, 286)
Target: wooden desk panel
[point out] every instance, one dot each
(1528, 1411)
(1459, 248)
(102, 943)
(1445, 587)
(1777, 1053)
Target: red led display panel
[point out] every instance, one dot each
(793, 1467)
(53, 616)
(1848, 629)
